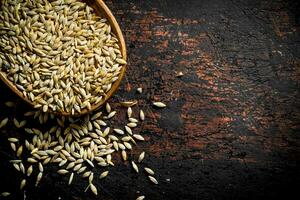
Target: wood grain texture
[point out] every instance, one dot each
(231, 128)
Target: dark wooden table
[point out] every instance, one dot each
(231, 128)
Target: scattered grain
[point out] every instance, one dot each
(135, 167)
(22, 184)
(149, 171)
(153, 180)
(93, 189)
(4, 194)
(140, 198)
(103, 174)
(71, 178)
(141, 157)
(159, 104)
(3, 122)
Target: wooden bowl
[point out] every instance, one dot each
(102, 10)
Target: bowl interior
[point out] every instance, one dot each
(101, 9)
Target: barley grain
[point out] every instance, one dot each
(29, 170)
(149, 171)
(124, 155)
(159, 104)
(93, 189)
(81, 170)
(129, 112)
(22, 184)
(41, 168)
(19, 151)
(111, 114)
(71, 179)
(62, 171)
(142, 115)
(86, 174)
(140, 198)
(3, 122)
(16, 166)
(91, 177)
(77, 167)
(135, 167)
(22, 168)
(138, 137)
(4, 194)
(38, 178)
(13, 140)
(141, 157)
(153, 180)
(131, 124)
(128, 130)
(108, 108)
(119, 131)
(103, 174)
(128, 103)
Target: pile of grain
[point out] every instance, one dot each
(59, 54)
(76, 145)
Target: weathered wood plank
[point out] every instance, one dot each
(230, 130)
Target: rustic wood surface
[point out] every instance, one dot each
(231, 128)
